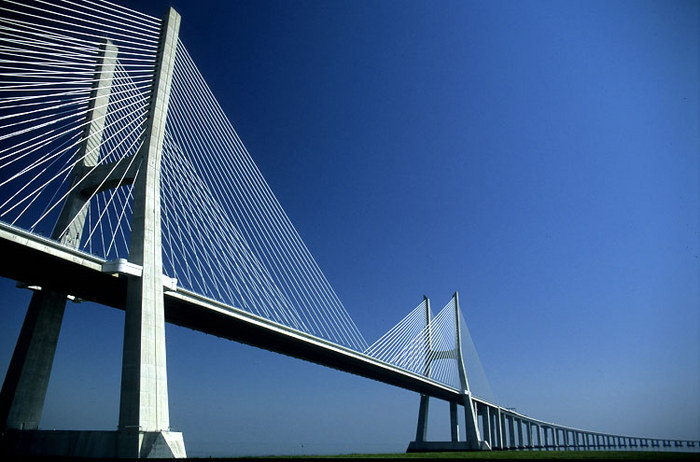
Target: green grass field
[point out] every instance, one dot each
(525, 455)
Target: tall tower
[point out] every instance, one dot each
(472, 433)
(144, 424)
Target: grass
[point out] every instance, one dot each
(495, 455)
(536, 455)
(504, 455)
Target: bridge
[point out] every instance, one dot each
(124, 183)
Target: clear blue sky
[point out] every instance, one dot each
(543, 158)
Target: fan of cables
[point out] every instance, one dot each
(75, 78)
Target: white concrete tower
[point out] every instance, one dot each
(144, 421)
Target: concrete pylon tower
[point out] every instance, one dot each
(473, 436)
(470, 416)
(422, 427)
(144, 424)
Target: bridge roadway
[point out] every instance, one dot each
(39, 261)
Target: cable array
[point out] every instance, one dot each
(391, 345)
(225, 234)
(478, 380)
(427, 345)
(423, 348)
(50, 73)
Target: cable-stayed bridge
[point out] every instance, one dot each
(124, 183)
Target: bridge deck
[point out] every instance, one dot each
(39, 261)
(42, 262)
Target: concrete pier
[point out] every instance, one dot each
(144, 419)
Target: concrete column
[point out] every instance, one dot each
(498, 429)
(521, 442)
(500, 426)
(530, 440)
(422, 430)
(540, 437)
(24, 389)
(552, 442)
(544, 437)
(422, 427)
(454, 422)
(472, 433)
(486, 419)
(511, 432)
(143, 411)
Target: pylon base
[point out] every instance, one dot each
(92, 444)
(447, 446)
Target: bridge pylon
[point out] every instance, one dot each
(144, 426)
(473, 440)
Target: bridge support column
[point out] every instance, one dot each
(27, 379)
(24, 389)
(422, 430)
(422, 427)
(502, 430)
(521, 441)
(144, 421)
(485, 413)
(471, 425)
(511, 432)
(454, 423)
